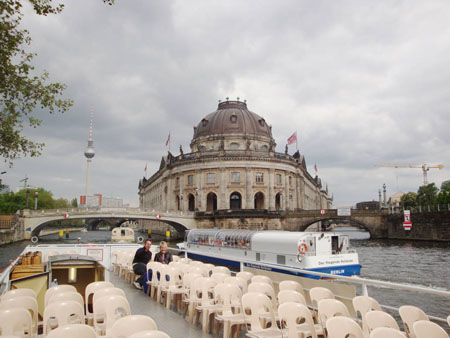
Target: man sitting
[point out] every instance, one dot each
(141, 258)
(163, 256)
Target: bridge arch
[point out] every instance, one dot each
(304, 226)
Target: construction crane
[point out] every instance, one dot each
(425, 167)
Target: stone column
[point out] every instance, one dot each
(199, 185)
(222, 202)
(170, 197)
(286, 191)
(181, 192)
(248, 190)
(270, 203)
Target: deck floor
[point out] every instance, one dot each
(168, 321)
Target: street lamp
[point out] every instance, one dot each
(35, 199)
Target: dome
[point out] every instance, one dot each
(232, 117)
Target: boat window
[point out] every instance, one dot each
(258, 256)
(334, 244)
(281, 259)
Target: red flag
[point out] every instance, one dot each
(168, 140)
(292, 139)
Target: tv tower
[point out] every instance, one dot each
(89, 153)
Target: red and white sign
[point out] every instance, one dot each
(158, 216)
(407, 225)
(323, 211)
(66, 215)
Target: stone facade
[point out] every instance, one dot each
(232, 165)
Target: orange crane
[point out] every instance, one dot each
(425, 167)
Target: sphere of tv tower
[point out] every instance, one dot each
(89, 152)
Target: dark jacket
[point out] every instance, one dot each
(167, 259)
(141, 256)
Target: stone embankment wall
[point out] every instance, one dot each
(430, 226)
(11, 229)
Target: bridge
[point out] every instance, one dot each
(34, 220)
(379, 223)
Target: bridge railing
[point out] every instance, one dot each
(421, 208)
(103, 210)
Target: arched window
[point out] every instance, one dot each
(235, 201)
(278, 201)
(259, 200)
(264, 148)
(211, 202)
(191, 199)
(234, 145)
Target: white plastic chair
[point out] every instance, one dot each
(376, 319)
(221, 269)
(427, 329)
(190, 295)
(387, 332)
(362, 305)
(73, 331)
(329, 308)
(25, 302)
(150, 334)
(65, 296)
(409, 315)
(266, 289)
(231, 315)
(242, 283)
(129, 325)
(16, 322)
(174, 286)
(316, 294)
(207, 304)
(292, 313)
(291, 285)
(343, 327)
(286, 296)
(245, 275)
(262, 279)
(107, 310)
(68, 312)
(107, 292)
(259, 307)
(18, 293)
(219, 277)
(91, 288)
(58, 289)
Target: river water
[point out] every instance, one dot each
(412, 262)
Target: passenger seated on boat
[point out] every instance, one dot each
(163, 256)
(141, 258)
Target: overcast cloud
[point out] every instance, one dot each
(361, 82)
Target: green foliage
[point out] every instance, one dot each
(21, 91)
(74, 203)
(444, 195)
(11, 202)
(426, 195)
(409, 200)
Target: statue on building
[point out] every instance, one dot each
(286, 149)
(181, 150)
(222, 145)
(248, 144)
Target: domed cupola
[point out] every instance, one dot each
(232, 119)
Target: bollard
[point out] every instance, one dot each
(61, 235)
(149, 232)
(168, 235)
(67, 233)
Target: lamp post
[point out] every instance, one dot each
(197, 204)
(35, 199)
(1, 185)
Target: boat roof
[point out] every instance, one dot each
(72, 259)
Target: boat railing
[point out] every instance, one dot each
(354, 280)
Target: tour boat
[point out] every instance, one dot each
(122, 235)
(315, 251)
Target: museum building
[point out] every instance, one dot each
(232, 165)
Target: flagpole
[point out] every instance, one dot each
(296, 144)
(169, 141)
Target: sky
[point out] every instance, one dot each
(361, 82)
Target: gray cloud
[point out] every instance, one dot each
(361, 83)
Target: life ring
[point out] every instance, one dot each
(302, 248)
(140, 239)
(34, 239)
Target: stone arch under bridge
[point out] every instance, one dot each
(34, 221)
(372, 221)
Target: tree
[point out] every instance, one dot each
(444, 195)
(74, 202)
(21, 91)
(11, 202)
(426, 195)
(409, 200)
